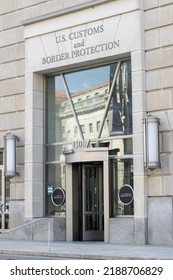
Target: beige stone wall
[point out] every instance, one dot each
(12, 80)
(159, 87)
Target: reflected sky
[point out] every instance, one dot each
(84, 79)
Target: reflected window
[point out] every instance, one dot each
(75, 130)
(91, 127)
(1, 158)
(83, 128)
(98, 125)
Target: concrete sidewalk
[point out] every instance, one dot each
(85, 250)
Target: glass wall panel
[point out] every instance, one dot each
(61, 124)
(122, 174)
(117, 147)
(119, 116)
(121, 147)
(82, 108)
(56, 152)
(55, 177)
(89, 92)
(1, 158)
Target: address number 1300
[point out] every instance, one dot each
(81, 144)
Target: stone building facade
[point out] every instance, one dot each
(60, 60)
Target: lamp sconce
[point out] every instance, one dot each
(151, 142)
(10, 154)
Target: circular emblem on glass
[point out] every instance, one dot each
(58, 197)
(126, 195)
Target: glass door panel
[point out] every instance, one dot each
(93, 226)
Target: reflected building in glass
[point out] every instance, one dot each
(85, 110)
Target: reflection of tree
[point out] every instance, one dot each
(121, 101)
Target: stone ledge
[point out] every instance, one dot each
(38, 230)
(65, 11)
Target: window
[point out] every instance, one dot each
(83, 128)
(122, 175)
(98, 125)
(90, 96)
(75, 130)
(90, 127)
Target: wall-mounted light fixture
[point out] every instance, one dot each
(151, 142)
(10, 154)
